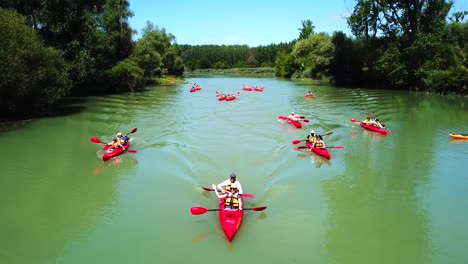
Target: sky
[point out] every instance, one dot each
(254, 22)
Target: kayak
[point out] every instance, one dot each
(195, 89)
(319, 151)
(110, 153)
(259, 89)
(308, 96)
(221, 98)
(230, 98)
(230, 220)
(459, 136)
(374, 128)
(297, 124)
(249, 89)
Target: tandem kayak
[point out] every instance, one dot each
(319, 151)
(230, 220)
(375, 129)
(459, 136)
(110, 153)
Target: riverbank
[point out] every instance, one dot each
(264, 71)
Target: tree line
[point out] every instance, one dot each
(52, 49)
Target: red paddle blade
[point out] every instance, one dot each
(296, 141)
(301, 117)
(133, 130)
(198, 210)
(207, 189)
(248, 195)
(329, 133)
(302, 147)
(354, 120)
(95, 140)
(306, 120)
(339, 147)
(105, 147)
(259, 208)
(132, 151)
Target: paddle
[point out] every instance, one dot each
(244, 195)
(202, 210)
(335, 147)
(295, 142)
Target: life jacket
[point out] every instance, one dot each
(312, 139)
(115, 144)
(319, 144)
(123, 140)
(232, 202)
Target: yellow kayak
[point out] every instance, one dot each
(459, 136)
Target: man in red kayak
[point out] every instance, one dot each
(232, 201)
(378, 124)
(312, 137)
(229, 183)
(293, 117)
(122, 139)
(319, 143)
(368, 121)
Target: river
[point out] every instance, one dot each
(399, 198)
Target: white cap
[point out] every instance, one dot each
(312, 131)
(119, 134)
(292, 113)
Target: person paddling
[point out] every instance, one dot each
(319, 143)
(232, 181)
(312, 137)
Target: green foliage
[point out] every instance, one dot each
(31, 76)
(231, 56)
(128, 76)
(391, 68)
(314, 55)
(285, 66)
(155, 53)
(306, 30)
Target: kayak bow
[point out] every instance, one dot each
(230, 220)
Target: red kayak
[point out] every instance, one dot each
(230, 220)
(222, 97)
(309, 96)
(375, 129)
(297, 124)
(259, 89)
(110, 153)
(319, 151)
(249, 89)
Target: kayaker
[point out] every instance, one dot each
(293, 117)
(309, 94)
(115, 144)
(232, 201)
(122, 139)
(312, 137)
(368, 121)
(378, 124)
(232, 181)
(319, 143)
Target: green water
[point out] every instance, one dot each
(399, 198)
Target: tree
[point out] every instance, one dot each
(306, 30)
(32, 76)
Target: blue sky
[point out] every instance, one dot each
(254, 22)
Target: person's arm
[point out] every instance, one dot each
(239, 187)
(240, 204)
(224, 183)
(216, 191)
